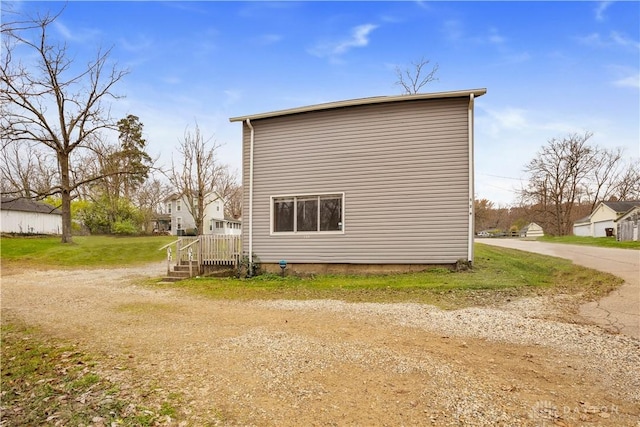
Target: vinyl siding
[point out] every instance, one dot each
(30, 222)
(403, 168)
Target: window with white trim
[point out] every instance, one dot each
(307, 213)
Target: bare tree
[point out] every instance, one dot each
(417, 76)
(48, 103)
(197, 177)
(603, 177)
(231, 193)
(556, 177)
(26, 171)
(568, 173)
(483, 209)
(148, 197)
(628, 183)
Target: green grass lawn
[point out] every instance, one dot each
(499, 274)
(606, 242)
(84, 252)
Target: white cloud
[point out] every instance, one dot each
(613, 39)
(359, 37)
(629, 81)
(508, 118)
(601, 8)
(622, 40)
(141, 44)
(78, 35)
(494, 37)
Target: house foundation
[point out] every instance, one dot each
(306, 269)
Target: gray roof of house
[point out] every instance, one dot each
(584, 220)
(363, 101)
(27, 205)
(630, 211)
(621, 207)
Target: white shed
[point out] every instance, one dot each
(25, 216)
(532, 230)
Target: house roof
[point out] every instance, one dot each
(585, 220)
(621, 207)
(530, 225)
(27, 205)
(362, 101)
(635, 209)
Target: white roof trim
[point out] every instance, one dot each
(362, 101)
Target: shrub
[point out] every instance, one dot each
(126, 227)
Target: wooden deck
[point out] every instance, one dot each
(212, 249)
(204, 251)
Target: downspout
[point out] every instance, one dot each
(250, 272)
(471, 183)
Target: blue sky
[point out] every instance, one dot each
(550, 68)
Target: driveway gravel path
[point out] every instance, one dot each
(620, 310)
(324, 362)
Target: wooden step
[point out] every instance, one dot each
(181, 268)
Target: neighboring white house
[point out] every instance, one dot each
(224, 226)
(182, 222)
(582, 227)
(532, 230)
(602, 218)
(26, 216)
(627, 225)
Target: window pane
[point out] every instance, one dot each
(331, 214)
(283, 215)
(307, 214)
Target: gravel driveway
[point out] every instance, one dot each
(619, 311)
(292, 363)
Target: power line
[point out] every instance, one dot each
(503, 177)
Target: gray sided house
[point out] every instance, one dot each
(373, 184)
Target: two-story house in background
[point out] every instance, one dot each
(179, 221)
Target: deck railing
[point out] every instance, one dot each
(220, 249)
(205, 250)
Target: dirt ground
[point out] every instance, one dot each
(318, 363)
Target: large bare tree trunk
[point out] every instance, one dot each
(65, 195)
(28, 92)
